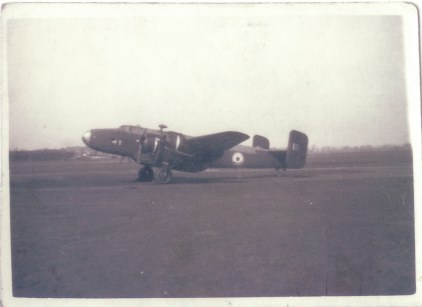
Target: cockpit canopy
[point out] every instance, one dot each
(133, 129)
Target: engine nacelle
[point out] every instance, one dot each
(174, 140)
(150, 144)
(171, 140)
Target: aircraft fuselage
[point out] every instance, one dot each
(170, 150)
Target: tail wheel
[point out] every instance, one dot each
(164, 175)
(146, 174)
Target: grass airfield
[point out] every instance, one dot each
(343, 225)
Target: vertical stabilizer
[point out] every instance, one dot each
(260, 141)
(296, 149)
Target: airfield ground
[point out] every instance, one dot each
(340, 226)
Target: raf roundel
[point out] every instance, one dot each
(238, 159)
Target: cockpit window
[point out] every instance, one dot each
(134, 129)
(138, 129)
(125, 127)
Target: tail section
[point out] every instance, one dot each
(296, 149)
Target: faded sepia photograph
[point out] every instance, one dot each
(210, 151)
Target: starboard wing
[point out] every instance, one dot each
(213, 145)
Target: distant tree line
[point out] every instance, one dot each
(74, 152)
(41, 155)
(364, 148)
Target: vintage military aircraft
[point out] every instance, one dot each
(168, 150)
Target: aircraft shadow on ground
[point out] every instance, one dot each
(230, 179)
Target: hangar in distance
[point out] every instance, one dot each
(164, 151)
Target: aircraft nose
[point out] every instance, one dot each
(86, 137)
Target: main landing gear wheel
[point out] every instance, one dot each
(164, 175)
(146, 174)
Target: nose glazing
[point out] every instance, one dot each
(86, 137)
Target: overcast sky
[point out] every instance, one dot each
(338, 78)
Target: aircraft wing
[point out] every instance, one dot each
(213, 144)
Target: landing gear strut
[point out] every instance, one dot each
(146, 174)
(164, 174)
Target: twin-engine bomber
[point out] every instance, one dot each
(167, 150)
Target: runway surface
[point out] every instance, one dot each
(87, 229)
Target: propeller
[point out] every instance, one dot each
(161, 146)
